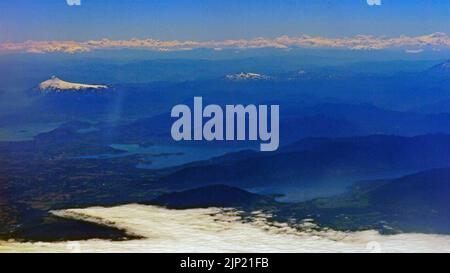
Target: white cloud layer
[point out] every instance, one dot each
(359, 42)
(213, 230)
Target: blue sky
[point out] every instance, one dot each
(21, 20)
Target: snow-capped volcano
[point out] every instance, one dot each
(247, 76)
(442, 67)
(59, 85)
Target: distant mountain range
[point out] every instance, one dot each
(296, 86)
(322, 120)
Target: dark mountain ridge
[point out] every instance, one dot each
(211, 196)
(419, 202)
(319, 161)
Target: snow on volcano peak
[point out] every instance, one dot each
(247, 76)
(57, 84)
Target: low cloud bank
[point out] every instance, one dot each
(215, 230)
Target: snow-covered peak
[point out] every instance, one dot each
(247, 76)
(442, 69)
(445, 66)
(59, 85)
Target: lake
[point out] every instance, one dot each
(163, 156)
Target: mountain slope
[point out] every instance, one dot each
(442, 69)
(414, 203)
(428, 190)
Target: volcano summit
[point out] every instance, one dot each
(58, 85)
